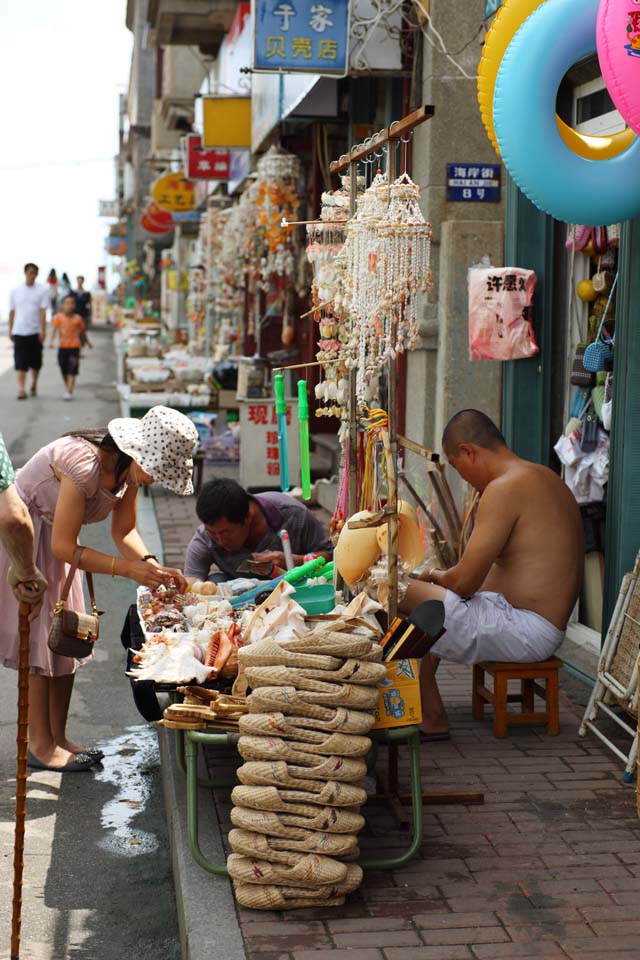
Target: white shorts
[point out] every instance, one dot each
(486, 627)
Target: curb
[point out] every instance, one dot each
(207, 918)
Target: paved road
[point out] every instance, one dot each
(97, 877)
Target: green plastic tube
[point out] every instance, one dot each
(281, 412)
(303, 419)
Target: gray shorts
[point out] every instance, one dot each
(486, 627)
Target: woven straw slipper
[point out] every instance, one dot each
(286, 700)
(315, 691)
(292, 802)
(295, 790)
(326, 820)
(277, 725)
(327, 744)
(275, 748)
(255, 897)
(268, 652)
(351, 671)
(333, 644)
(279, 850)
(310, 870)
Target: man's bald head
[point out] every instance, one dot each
(471, 426)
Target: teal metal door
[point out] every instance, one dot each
(526, 402)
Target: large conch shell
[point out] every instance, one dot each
(356, 550)
(410, 546)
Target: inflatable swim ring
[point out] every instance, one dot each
(618, 43)
(508, 20)
(558, 181)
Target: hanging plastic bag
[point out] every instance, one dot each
(500, 313)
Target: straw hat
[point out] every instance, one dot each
(162, 444)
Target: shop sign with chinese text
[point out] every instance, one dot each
(473, 182)
(204, 163)
(173, 192)
(302, 36)
(259, 453)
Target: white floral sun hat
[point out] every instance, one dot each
(162, 443)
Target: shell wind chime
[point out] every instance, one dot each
(325, 242)
(386, 261)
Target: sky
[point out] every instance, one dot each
(63, 64)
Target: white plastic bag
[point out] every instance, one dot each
(499, 313)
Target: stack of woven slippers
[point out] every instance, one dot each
(296, 814)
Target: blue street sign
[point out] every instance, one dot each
(473, 182)
(301, 36)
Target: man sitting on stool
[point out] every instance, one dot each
(237, 526)
(510, 595)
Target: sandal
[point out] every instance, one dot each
(292, 827)
(307, 871)
(314, 741)
(22, 396)
(298, 790)
(278, 850)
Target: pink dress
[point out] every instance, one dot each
(38, 486)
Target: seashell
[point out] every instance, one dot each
(410, 546)
(356, 550)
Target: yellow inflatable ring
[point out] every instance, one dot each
(507, 22)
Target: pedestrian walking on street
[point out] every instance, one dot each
(64, 287)
(83, 302)
(52, 286)
(82, 478)
(27, 328)
(69, 326)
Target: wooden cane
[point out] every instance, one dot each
(21, 775)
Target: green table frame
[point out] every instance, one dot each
(187, 743)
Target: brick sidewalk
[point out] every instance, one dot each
(548, 867)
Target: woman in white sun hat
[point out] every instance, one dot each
(82, 478)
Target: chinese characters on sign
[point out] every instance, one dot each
(206, 163)
(259, 453)
(308, 36)
(473, 182)
(173, 192)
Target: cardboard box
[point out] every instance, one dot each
(399, 702)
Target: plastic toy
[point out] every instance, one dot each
(281, 413)
(303, 418)
(558, 34)
(618, 43)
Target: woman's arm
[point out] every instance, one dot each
(128, 541)
(67, 522)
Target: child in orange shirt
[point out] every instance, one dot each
(70, 327)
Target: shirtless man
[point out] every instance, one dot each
(510, 595)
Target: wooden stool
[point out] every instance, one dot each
(527, 674)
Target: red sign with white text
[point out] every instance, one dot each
(206, 163)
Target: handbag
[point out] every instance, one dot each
(73, 634)
(580, 376)
(589, 440)
(598, 352)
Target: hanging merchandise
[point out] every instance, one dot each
(281, 413)
(303, 418)
(500, 325)
(325, 242)
(386, 266)
(598, 352)
(196, 304)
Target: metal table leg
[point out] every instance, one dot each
(192, 739)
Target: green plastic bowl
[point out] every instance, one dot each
(318, 598)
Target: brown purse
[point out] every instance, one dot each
(73, 634)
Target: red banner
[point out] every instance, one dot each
(206, 163)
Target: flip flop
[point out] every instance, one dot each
(434, 737)
(22, 396)
(83, 761)
(97, 755)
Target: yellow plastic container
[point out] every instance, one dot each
(399, 702)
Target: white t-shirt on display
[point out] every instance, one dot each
(27, 303)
